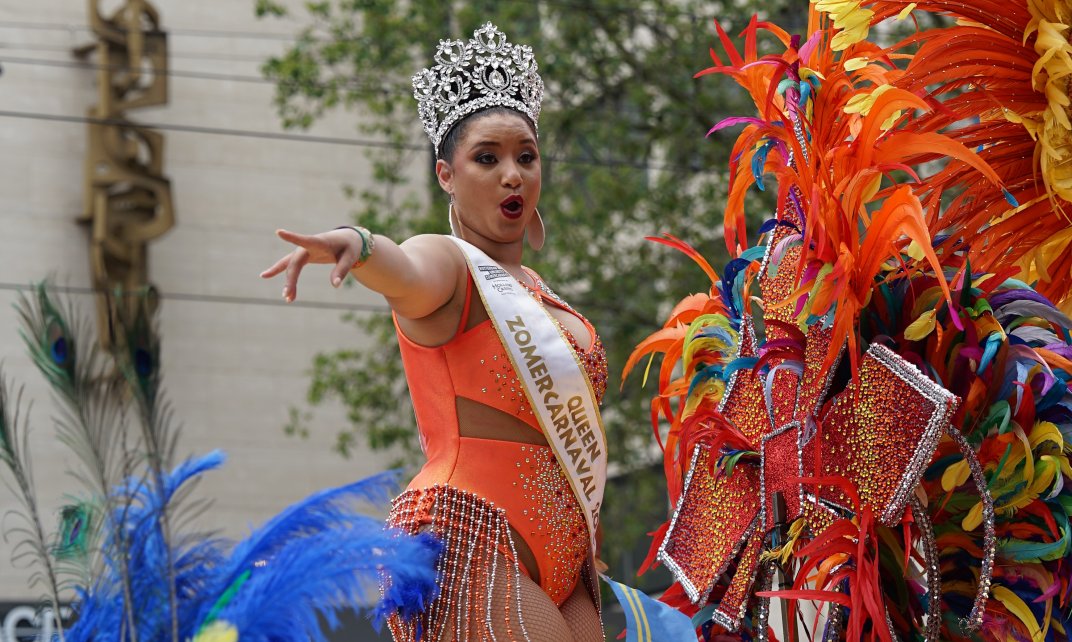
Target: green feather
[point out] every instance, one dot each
(49, 338)
(77, 523)
(1033, 551)
(966, 289)
(225, 598)
(7, 445)
(140, 350)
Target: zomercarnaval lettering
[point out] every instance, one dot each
(552, 378)
(570, 419)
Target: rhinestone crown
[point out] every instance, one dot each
(469, 76)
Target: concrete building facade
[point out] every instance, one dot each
(235, 357)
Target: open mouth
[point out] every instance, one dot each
(511, 206)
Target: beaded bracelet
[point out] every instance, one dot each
(368, 242)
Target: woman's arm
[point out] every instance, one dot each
(417, 277)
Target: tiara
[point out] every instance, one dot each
(469, 76)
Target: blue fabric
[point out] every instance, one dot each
(648, 620)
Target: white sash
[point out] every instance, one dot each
(554, 381)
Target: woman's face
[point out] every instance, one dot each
(495, 177)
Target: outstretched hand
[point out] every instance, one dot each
(336, 247)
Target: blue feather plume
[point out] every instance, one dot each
(318, 558)
(157, 583)
(325, 573)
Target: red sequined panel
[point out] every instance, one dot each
(594, 360)
(595, 364)
(716, 515)
(881, 433)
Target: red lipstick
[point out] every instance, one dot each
(512, 206)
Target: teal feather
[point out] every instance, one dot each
(76, 524)
(140, 344)
(740, 363)
(50, 340)
(1034, 551)
(993, 343)
(92, 403)
(703, 615)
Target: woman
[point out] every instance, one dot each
(505, 376)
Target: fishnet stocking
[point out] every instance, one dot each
(581, 616)
(542, 620)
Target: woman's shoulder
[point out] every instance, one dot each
(428, 240)
(434, 246)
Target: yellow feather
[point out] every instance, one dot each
(1046, 431)
(217, 632)
(852, 64)
(974, 517)
(647, 369)
(921, 327)
(862, 102)
(1028, 454)
(1017, 607)
(955, 476)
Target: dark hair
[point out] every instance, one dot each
(455, 134)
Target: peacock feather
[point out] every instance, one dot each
(33, 543)
(137, 356)
(76, 523)
(123, 551)
(91, 421)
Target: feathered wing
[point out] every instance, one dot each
(869, 250)
(320, 557)
(1002, 68)
(102, 606)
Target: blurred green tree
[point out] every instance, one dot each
(624, 156)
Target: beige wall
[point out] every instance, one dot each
(234, 357)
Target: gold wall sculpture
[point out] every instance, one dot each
(127, 200)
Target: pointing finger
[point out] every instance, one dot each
(276, 268)
(294, 268)
(301, 240)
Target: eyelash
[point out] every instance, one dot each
(488, 158)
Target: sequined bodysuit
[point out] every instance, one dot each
(522, 480)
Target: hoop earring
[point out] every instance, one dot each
(535, 233)
(452, 218)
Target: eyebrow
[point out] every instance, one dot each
(528, 140)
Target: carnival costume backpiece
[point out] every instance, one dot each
(875, 400)
(473, 492)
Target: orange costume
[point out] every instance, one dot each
(471, 489)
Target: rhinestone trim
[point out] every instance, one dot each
(975, 617)
(934, 571)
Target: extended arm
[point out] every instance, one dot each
(417, 277)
